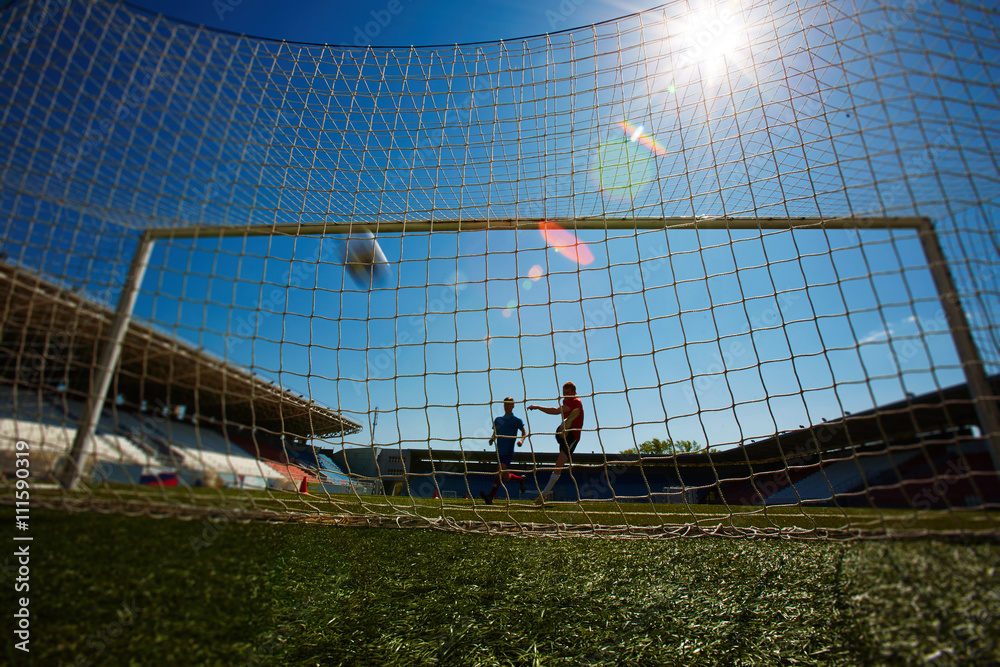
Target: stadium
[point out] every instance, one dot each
(266, 303)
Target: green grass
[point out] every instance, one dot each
(118, 590)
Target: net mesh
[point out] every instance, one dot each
(759, 238)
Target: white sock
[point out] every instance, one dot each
(552, 482)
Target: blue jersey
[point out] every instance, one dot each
(506, 428)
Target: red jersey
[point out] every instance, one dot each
(571, 403)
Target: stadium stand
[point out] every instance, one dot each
(42, 399)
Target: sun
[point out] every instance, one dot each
(716, 39)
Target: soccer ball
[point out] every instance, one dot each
(364, 260)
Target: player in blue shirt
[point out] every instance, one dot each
(505, 428)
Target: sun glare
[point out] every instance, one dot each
(716, 39)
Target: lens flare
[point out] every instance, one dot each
(565, 243)
(536, 272)
(624, 165)
(635, 135)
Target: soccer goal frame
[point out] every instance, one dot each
(70, 471)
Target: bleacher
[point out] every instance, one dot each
(320, 465)
(206, 449)
(126, 443)
(50, 429)
(845, 476)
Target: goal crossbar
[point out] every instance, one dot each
(579, 223)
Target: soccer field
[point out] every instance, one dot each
(519, 516)
(133, 590)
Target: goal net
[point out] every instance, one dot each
(263, 279)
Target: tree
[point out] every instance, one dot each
(668, 446)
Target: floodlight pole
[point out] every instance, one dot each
(961, 333)
(72, 465)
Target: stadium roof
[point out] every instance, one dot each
(51, 336)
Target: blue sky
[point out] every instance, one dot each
(399, 23)
(712, 336)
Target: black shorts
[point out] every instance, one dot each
(567, 444)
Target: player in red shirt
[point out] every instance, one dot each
(568, 433)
